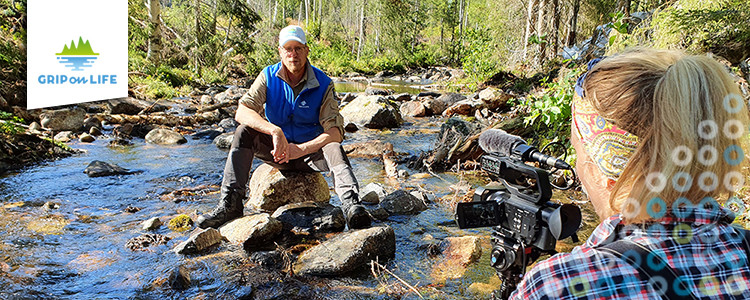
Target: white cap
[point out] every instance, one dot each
(292, 33)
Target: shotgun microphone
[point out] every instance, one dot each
(503, 143)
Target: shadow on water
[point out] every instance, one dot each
(78, 249)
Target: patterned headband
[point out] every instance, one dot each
(608, 146)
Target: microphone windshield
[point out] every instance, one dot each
(497, 140)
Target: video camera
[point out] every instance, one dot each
(526, 224)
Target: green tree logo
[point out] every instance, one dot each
(78, 56)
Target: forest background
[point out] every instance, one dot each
(177, 47)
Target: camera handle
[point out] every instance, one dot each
(510, 257)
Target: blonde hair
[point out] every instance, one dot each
(670, 101)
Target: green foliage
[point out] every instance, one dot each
(477, 61)
(552, 111)
(153, 88)
(8, 123)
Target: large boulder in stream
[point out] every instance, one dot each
(99, 168)
(165, 137)
(131, 106)
(311, 217)
(368, 149)
(402, 203)
(63, 119)
(271, 188)
(347, 252)
(374, 112)
(199, 241)
(251, 231)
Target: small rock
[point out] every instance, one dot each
(140, 243)
(207, 100)
(50, 205)
(402, 97)
(228, 123)
(64, 136)
(86, 138)
(151, 224)
(165, 137)
(390, 165)
(372, 193)
(402, 203)
(379, 213)
(224, 141)
(318, 217)
(464, 250)
(251, 231)
(463, 107)
(351, 127)
(91, 122)
(95, 131)
(433, 106)
(451, 98)
(413, 109)
(180, 278)
(199, 241)
(99, 168)
(63, 119)
(376, 91)
(267, 259)
(421, 196)
(428, 94)
(207, 134)
(132, 209)
(347, 252)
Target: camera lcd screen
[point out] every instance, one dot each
(477, 214)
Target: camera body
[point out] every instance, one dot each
(525, 223)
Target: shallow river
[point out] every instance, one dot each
(78, 250)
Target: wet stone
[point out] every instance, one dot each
(64, 136)
(180, 278)
(132, 209)
(151, 224)
(199, 241)
(347, 252)
(165, 137)
(86, 138)
(207, 134)
(372, 193)
(252, 231)
(224, 141)
(402, 203)
(180, 223)
(268, 259)
(271, 188)
(351, 127)
(317, 217)
(99, 168)
(140, 243)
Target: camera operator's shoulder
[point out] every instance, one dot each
(585, 273)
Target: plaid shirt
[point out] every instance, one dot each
(701, 246)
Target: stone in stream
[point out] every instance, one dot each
(224, 140)
(64, 136)
(151, 224)
(199, 241)
(413, 109)
(180, 223)
(376, 91)
(179, 279)
(315, 217)
(369, 149)
(141, 242)
(268, 259)
(402, 203)
(494, 98)
(270, 188)
(165, 137)
(86, 138)
(451, 98)
(374, 112)
(372, 193)
(351, 127)
(91, 122)
(463, 107)
(63, 119)
(132, 106)
(433, 106)
(347, 252)
(461, 252)
(251, 231)
(99, 168)
(228, 123)
(207, 134)
(402, 97)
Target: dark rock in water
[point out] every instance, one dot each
(402, 203)
(374, 112)
(99, 168)
(122, 130)
(347, 252)
(376, 91)
(141, 130)
(351, 127)
(132, 209)
(180, 278)
(63, 119)
(378, 213)
(224, 140)
(402, 97)
(252, 232)
(120, 142)
(165, 137)
(201, 240)
(91, 122)
(228, 123)
(132, 106)
(451, 98)
(428, 94)
(319, 217)
(207, 134)
(140, 243)
(433, 106)
(86, 138)
(268, 259)
(94, 131)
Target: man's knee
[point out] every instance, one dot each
(335, 154)
(244, 136)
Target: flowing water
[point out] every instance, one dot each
(78, 251)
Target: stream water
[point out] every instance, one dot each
(78, 251)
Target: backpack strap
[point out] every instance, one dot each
(625, 248)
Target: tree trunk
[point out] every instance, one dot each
(154, 41)
(307, 12)
(197, 36)
(571, 40)
(530, 26)
(555, 26)
(275, 10)
(540, 30)
(361, 28)
(299, 16)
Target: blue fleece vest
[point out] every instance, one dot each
(299, 118)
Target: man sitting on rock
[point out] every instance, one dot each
(290, 120)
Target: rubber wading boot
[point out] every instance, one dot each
(229, 208)
(356, 215)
